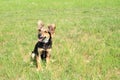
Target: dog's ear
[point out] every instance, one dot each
(40, 24)
(51, 28)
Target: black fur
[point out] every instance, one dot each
(45, 46)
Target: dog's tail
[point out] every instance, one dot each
(40, 24)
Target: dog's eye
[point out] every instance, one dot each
(45, 31)
(39, 30)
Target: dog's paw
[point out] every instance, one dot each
(39, 69)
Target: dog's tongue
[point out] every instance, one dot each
(40, 40)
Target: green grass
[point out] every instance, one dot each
(86, 45)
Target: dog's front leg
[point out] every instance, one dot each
(38, 63)
(48, 56)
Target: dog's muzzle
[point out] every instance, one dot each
(43, 39)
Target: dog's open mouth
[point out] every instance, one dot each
(43, 39)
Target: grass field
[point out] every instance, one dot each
(86, 45)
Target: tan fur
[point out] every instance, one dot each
(44, 33)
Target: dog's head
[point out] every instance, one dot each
(45, 34)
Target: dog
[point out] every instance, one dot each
(42, 49)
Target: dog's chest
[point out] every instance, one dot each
(43, 55)
(45, 45)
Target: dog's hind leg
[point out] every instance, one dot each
(35, 49)
(48, 57)
(38, 59)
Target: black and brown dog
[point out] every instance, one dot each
(42, 49)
